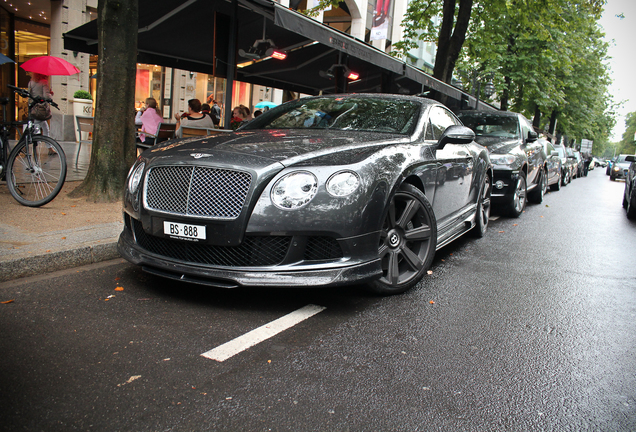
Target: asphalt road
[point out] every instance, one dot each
(531, 328)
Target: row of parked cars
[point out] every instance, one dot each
(524, 165)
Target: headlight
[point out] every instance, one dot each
(617, 168)
(343, 183)
(502, 159)
(135, 177)
(294, 190)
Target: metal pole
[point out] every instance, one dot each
(231, 64)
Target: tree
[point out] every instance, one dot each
(627, 144)
(113, 149)
(419, 24)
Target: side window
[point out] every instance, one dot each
(439, 120)
(549, 149)
(525, 127)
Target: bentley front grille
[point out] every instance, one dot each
(197, 191)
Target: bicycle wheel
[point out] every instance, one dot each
(36, 176)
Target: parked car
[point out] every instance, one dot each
(553, 165)
(580, 163)
(629, 196)
(575, 163)
(518, 158)
(620, 166)
(322, 191)
(567, 164)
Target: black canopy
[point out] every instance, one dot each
(195, 35)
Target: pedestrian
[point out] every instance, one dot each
(149, 118)
(194, 117)
(39, 86)
(215, 113)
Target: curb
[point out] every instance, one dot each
(62, 260)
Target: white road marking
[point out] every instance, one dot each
(264, 332)
(494, 218)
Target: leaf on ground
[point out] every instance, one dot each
(119, 289)
(501, 231)
(515, 224)
(131, 379)
(7, 301)
(64, 214)
(63, 238)
(432, 302)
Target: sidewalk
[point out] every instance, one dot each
(63, 234)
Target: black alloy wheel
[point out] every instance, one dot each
(482, 215)
(408, 239)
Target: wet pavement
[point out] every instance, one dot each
(532, 327)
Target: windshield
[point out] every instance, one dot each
(621, 158)
(364, 114)
(486, 125)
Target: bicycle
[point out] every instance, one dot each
(35, 169)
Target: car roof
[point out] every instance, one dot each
(489, 113)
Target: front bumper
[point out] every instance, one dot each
(299, 273)
(504, 184)
(620, 174)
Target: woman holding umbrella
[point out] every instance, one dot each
(39, 86)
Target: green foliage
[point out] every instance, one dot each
(82, 94)
(627, 144)
(322, 5)
(546, 56)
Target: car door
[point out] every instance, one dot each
(454, 166)
(553, 162)
(533, 150)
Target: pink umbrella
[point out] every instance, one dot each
(49, 65)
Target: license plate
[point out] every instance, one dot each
(185, 231)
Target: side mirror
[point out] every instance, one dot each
(456, 135)
(532, 136)
(630, 158)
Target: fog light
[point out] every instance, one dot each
(499, 184)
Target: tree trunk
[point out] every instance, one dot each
(553, 122)
(505, 94)
(536, 121)
(450, 42)
(114, 149)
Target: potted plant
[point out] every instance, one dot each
(82, 106)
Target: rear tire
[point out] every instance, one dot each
(536, 196)
(631, 205)
(482, 214)
(408, 240)
(36, 179)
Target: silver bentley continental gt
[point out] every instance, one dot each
(319, 191)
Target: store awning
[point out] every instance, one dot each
(194, 35)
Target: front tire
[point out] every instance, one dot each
(519, 200)
(408, 239)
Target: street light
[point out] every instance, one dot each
(474, 77)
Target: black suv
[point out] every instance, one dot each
(518, 159)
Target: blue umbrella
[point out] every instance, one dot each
(265, 104)
(4, 59)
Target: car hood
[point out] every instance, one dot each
(623, 165)
(260, 148)
(498, 146)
